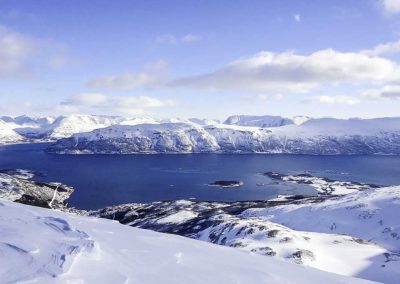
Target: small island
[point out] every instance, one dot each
(226, 183)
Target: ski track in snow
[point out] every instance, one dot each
(54, 196)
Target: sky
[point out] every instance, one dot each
(205, 59)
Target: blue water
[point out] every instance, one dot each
(102, 180)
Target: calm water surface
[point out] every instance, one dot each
(102, 180)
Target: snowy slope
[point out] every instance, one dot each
(312, 238)
(259, 121)
(7, 134)
(315, 136)
(340, 127)
(370, 215)
(204, 122)
(28, 127)
(76, 249)
(69, 125)
(51, 128)
(300, 119)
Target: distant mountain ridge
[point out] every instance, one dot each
(259, 121)
(238, 134)
(53, 128)
(316, 137)
(26, 128)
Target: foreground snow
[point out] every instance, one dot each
(76, 249)
(370, 215)
(354, 235)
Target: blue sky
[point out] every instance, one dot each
(200, 58)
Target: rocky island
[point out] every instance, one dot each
(226, 183)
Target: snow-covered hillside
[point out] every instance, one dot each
(69, 125)
(28, 127)
(31, 129)
(315, 136)
(7, 134)
(52, 128)
(259, 121)
(354, 235)
(76, 249)
(370, 214)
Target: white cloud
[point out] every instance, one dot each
(121, 105)
(152, 75)
(175, 40)
(22, 55)
(126, 81)
(391, 6)
(345, 100)
(16, 15)
(87, 99)
(290, 72)
(262, 98)
(190, 38)
(384, 49)
(297, 17)
(166, 39)
(16, 51)
(158, 65)
(385, 92)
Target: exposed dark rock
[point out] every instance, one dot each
(265, 251)
(302, 256)
(226, 183)
(273, 233)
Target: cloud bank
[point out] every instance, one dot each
(291, 72)
(120, 105)
(175, 40)
(16, 51)
(391, 6)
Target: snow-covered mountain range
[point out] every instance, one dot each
(259, 121)
(52, 128)
(30, 129)
(238, 134)
(315, 136)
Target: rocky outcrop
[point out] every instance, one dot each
(19, 186)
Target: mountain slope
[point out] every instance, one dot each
(7, 134)
(72, 247)
(264, 121)
(28, 127)
(50, 128)
(371, 214)
(69, 125)
(354, 235)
